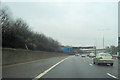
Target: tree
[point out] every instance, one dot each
(17, 34)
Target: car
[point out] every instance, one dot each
(115, 56)
(91, 55)
(83, 55)
(103, 58)
(76, 54)
(88, 55)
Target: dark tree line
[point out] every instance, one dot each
(112, 49)
(17, 34)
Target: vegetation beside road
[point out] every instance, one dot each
(112, 49)
(16, 33)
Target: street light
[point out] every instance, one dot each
(103, 40)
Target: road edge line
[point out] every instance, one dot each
(46, 71)
(21, 63)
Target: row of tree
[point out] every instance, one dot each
(112, 49)
(17, 34)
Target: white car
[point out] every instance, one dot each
(76, 54)
(91, 55)
(103, 58)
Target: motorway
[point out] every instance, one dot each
(71, 67)
(78, 67)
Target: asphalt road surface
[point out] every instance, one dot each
(80, 67)
(29, 69)
(72, 67)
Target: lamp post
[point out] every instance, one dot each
(103, 41)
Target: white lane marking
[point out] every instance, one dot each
(90, 64)
(111, 75)
(42, 74)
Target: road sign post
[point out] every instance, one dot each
(66, 49)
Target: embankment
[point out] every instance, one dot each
(14, 56)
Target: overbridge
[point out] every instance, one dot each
(87, 49)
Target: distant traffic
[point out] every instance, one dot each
(100, 58)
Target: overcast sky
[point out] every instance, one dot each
(71, 23)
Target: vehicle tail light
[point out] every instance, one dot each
(112, 58)
(101, 58)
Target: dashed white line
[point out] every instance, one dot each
(90, 64)
(42, 74)
(111, 75)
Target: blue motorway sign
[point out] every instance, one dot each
(66, 49)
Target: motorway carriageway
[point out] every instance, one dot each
(61, 67)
